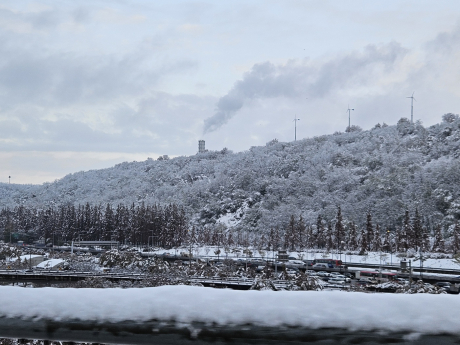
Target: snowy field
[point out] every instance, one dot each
(420, 313)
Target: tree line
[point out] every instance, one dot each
(168, 227)
(414, 234)
(137, 225)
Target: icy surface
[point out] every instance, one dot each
(315, 309)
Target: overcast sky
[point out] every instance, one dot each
(88, 84)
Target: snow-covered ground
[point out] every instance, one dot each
(420, 313)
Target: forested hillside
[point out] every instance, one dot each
(383, 171)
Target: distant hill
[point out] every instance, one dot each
(385, 170)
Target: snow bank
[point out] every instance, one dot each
(317, 309)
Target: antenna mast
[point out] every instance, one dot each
(295, 127)
(412, 107)
(349, 110)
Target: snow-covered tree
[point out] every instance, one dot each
(438, 244)
(369, 232)
(339, 229)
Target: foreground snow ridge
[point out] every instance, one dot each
(184, 304)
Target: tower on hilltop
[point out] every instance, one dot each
(201, 147)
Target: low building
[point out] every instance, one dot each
(35, 259)
(52, 264)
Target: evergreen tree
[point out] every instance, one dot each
(319, 237)
(108, 224)
(402, 243)
(438, 244)
(289, 235)
(309, 237)
(369, 232)
(406, 233)
(277, 238)
(230, 241)
(339, 229)
(455, 238)
(417, 231)
(377, 241)
(397, 239)
(300, 232)
(329, 243)
(387, 247)
(425, 240)
(271, 239)
(352, 242)
(363, 245)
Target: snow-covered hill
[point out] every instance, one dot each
(384, 170)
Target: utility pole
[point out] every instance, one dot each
(295, 128)
(412, 107)
(349, 121)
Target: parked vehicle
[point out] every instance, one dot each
(446, 286)
(336, 280)
(442, 284)
(296, 263)
(340, 276)
(320, 266)
(331, 263)
(291, 272)
(402, 280)
(260, 268)
(375, 275)
(308, 263)
(367, 280)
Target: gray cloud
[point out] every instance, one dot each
(44, 92)
(36, 69)
(81, 15)
(65, 79)
(45, 19)
(444, 42)
(304, 79)
(161, 123)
